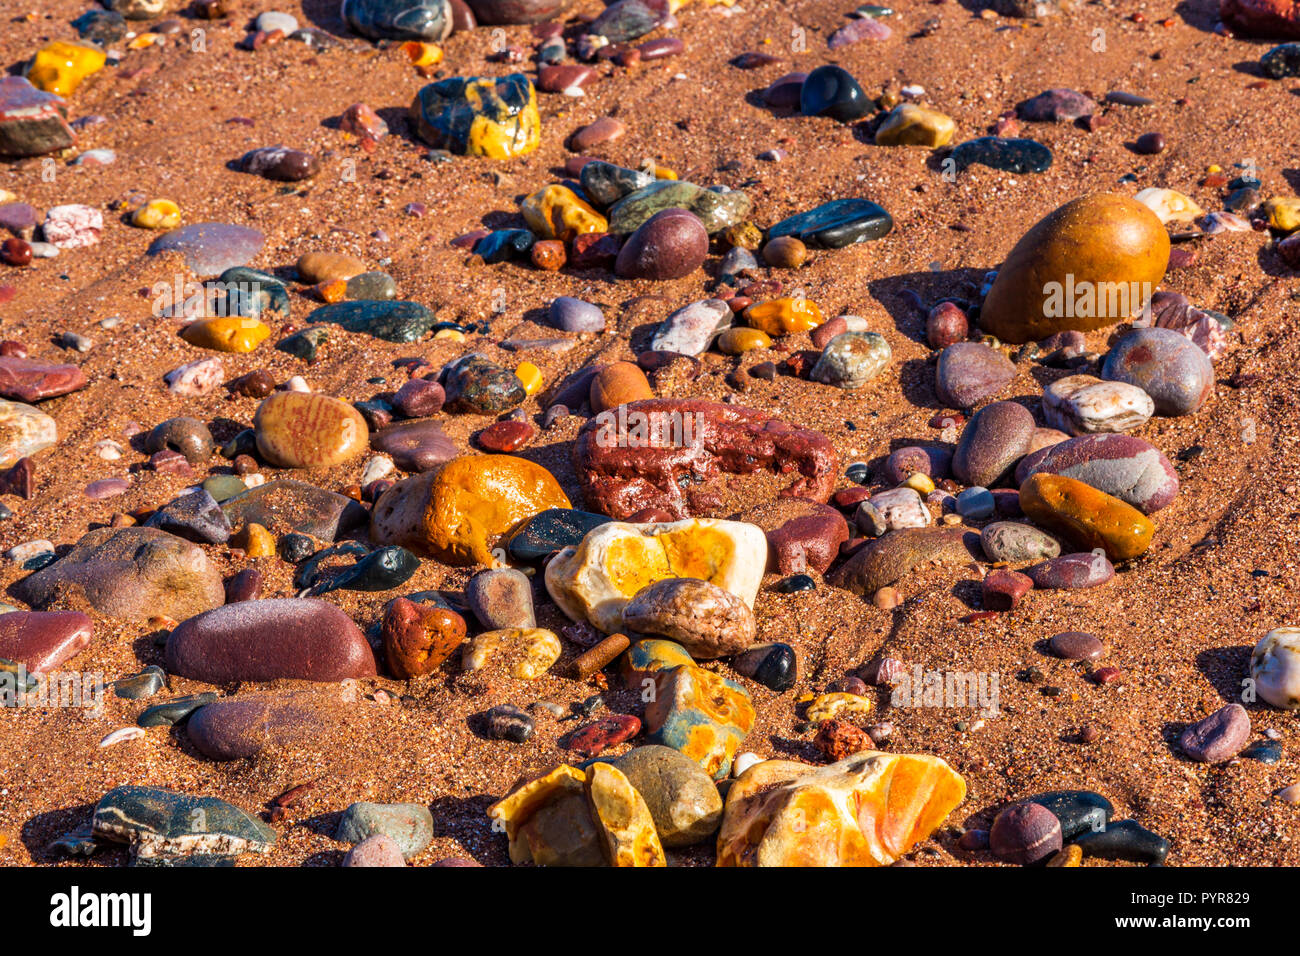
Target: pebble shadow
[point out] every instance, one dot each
(1223, 667)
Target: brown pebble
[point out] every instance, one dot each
(600, 656)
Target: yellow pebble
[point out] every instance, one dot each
(257, 541)
(919, 482)
(143, 41)
(422, 55)
(1283, 213)
(1071, 855)
(455, 335)
(556, 212)
(739, 340)
(1215, 168)
(783, 316)
(157, 214)
(663, 172)
(59, 67)
(226, 333)
(531, 376)
(830, 705)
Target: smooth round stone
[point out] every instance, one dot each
(1082, 404)
(1071, 572)
(372, 286)
(690, 329)
(672, 244)
(991, 443)
(1122, 466)
(501, 597)
(1218, 737)
(210, 248)
(379, 850)
(1077, 646)
(305, 430)
(838, 223)
(409, 825)
(975, 503)
(243, 726)
(909, 124)
(508, 722)
(575, 315)
(775, 666)
(42, 640)
(415, 446)
(131, 573)
(1088, 517)
(23, 431)
(476, 385)
(852, 359)
(419, 637)
(1019, 156)
(1025, 833)
(832, 91)
(245, 585)
(683, 800)
(274, 20)
(189, 436)
(1166, 365)
(946, 325)
(501, 245)
(505, 437)
(707, 620)
(101, 27)
(604, 130)
(785, 91)
(419, 398)
(738, 341)
(1275, 667)
(933, 461)
(1056, 106)
(550, 531)
(1016, 543)
(1086, 265)
(271, 639)
(967, 373)
(398, 19)
(381, 570)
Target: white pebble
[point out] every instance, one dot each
(297, 384)
(28, 550)
(108, 449)
(1275, 667)
(743, 762)
(376, 468)
(122, 734)
(255, 479)
(1289, 794)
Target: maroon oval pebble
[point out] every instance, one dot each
(946, 325)
(244, 726)
(1072, 571)
(1025, 833)
(275, 639)
(670, 244)
(1077, 646)
(107, 488)
(505, 437)
(419, 398)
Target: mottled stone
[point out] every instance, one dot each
(130, 573)
(1085, 516)
(495, 117)
(162, 825)
(387, 319)
(1019, 156)
(1166, 365)
(23, 432)
(835, 224)
(1016, 543)
(28, 380)
(1125, 467)
(888, 559)
(1072, 571)
(410, 825)
(419, 445)
(1082, 404)
(707, 620)
(681, 797)
(210, 248)
(852, 359)
(691, 329)
(288, 505)
(398, 19)
(247, 724)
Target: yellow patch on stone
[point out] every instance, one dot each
(528, 651)
(229, 333)
(556, 212)
(784, 316)
(59, 67)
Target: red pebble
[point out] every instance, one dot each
(15, 252)
(13, 349)
(505, 437)
(600, 735)
(1003, 589)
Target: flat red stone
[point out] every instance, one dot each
(505, 437)
(42, 640)
(26, 380)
